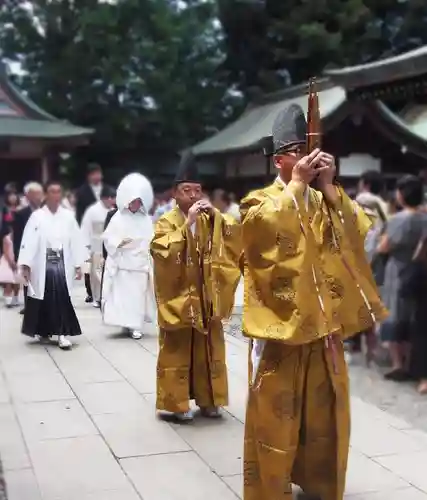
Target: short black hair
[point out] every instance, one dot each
(50, 183)
(373, 180)
(11, 187)
(108, 192)
(93, 167)
(411, 189)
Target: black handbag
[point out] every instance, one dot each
(378, 265)
(413, 277)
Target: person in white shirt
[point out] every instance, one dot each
(370, 189)
(128, 297)
(69, 201)
(222, 201)
(86, 195)
(92, 229)
(163, 208)
(50, 258)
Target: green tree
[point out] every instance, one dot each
(271, 43)
(178, 61)
(142, 72)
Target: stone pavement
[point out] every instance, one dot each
(80, 425)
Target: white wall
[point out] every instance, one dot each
(356, 164)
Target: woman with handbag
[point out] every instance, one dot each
(374, 209)
(405, 285)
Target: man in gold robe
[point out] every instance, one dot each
(196, 253)
(308, 287)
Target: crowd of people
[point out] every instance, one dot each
(320, 272)
(92, 206)
(395, 247)
(399, 231)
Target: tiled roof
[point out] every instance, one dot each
(251, 129)
(21, 117)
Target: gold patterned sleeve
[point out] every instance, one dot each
(168, 249)
(168, 242)
(268, 219)
(226, 264)
(232, 240)
(354, 216)
(276, 238)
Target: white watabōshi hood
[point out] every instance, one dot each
(132, 187)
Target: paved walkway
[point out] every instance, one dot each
(80, 425)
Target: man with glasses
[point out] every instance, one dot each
(308, 286)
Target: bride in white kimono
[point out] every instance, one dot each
(128, 298)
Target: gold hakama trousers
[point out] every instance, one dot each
(191, 365)
(297, 423)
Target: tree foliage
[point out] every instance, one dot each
(142, 72)
(160, 73)
(271, 43)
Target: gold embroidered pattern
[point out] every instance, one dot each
(251, 472)
(282, 289)
(335, 286)
(182, 374)
(308, 327)
(286, 243)
(364, 316)
(273, 331)
(332, 244)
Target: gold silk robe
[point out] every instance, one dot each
(191, 362)
(297, 293)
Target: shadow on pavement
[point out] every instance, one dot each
(3, 489)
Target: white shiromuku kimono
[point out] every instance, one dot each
(52, 247)
(92, 228)
(128, 298)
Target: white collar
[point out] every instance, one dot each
(306, 192)
(47, 210)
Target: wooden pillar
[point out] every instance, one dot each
(45, 170)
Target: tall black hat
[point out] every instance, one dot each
(187, 169)
(289, 129)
